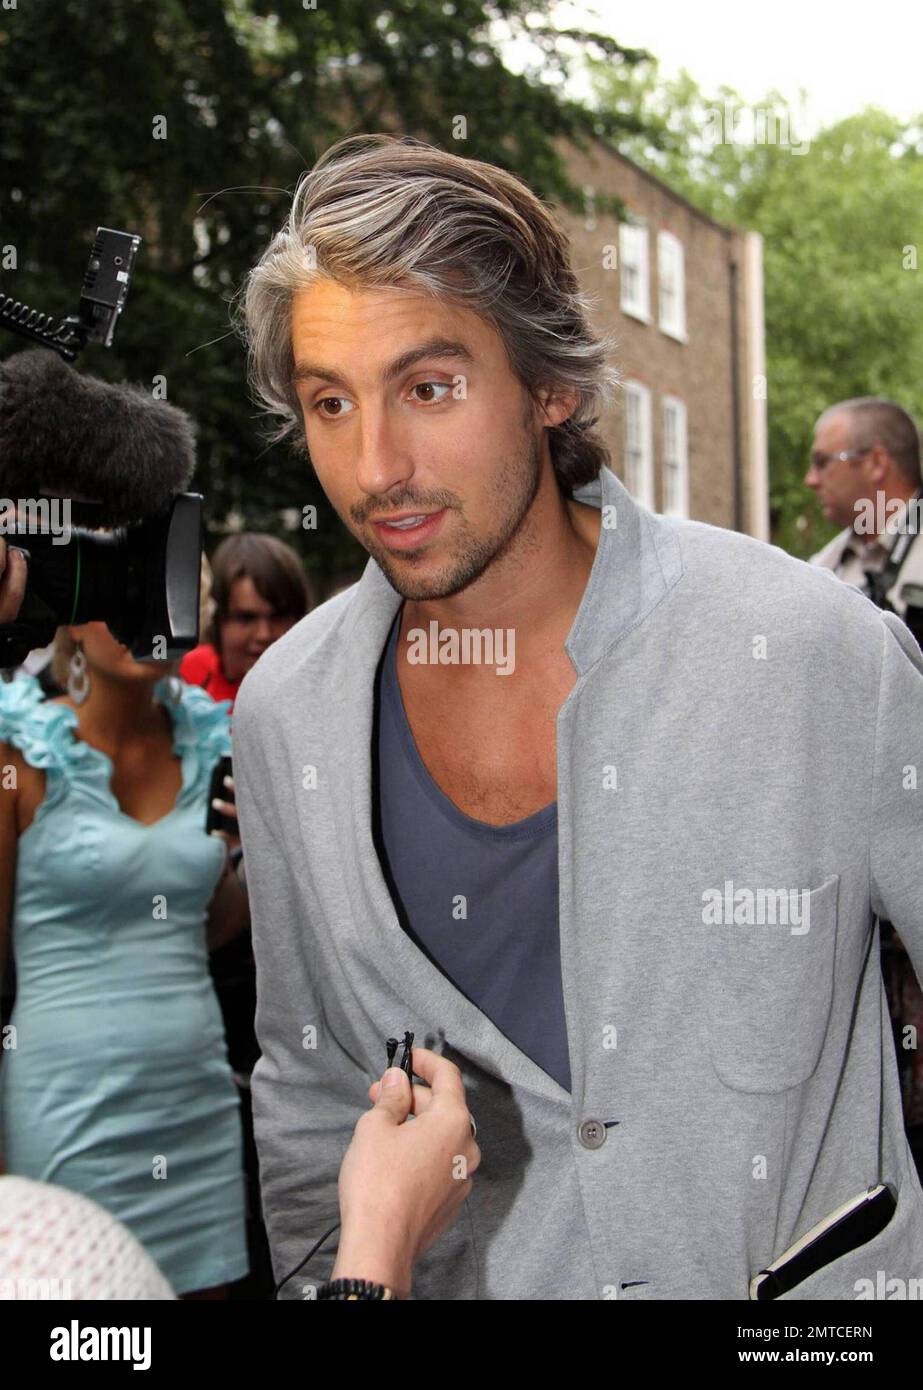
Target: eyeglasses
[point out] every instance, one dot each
(245, 617)
(844, 456)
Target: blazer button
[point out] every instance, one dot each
(592, 1134)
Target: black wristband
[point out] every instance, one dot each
(349, 1290)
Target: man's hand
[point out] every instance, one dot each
(403, 1184)
(13, 571)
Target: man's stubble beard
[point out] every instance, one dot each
(514, 491)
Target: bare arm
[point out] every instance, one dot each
(10, 770)
(9, 845)
(13, 571)
(228, 911)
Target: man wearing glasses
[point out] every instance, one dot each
(864, 471)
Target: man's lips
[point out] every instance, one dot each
(409, 534)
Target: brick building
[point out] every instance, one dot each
(683, 296)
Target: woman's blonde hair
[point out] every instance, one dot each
(378, 211)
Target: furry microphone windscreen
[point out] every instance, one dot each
(115, 452)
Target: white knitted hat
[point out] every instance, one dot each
(56, 1244)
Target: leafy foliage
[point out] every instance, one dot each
(252, 91)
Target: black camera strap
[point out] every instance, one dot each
(880, 583)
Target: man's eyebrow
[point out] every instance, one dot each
(433, 347)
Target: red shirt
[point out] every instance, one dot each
(202, 666)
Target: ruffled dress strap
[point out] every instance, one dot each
(201, 734)
(43, 733)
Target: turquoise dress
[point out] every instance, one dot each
(118, 1086)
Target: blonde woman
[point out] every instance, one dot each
(111, 896)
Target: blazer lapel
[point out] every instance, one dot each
(636, 563)
(374, 922)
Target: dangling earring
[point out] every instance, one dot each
(173, 690)
(78, 682)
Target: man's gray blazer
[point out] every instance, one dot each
(739, 796)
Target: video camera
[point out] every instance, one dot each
(116, 462)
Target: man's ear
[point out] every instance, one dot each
(881, 463)
(556, 404)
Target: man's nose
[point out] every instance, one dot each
(382, 462)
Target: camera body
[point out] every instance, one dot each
(141, 580)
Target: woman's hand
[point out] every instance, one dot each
(13, 572)
(402, 1184)
(227, 808)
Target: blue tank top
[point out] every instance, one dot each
(489, 920)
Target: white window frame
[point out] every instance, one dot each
(671, 277)
(638, 443)
(634, 256)
(675, 457)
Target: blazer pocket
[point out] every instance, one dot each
(886, 1267)
(770, 991)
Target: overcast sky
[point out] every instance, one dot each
(846, 55)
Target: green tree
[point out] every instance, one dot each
(840, 215)
(190, 121)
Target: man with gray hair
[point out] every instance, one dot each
(865, 471)
(513, 866)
